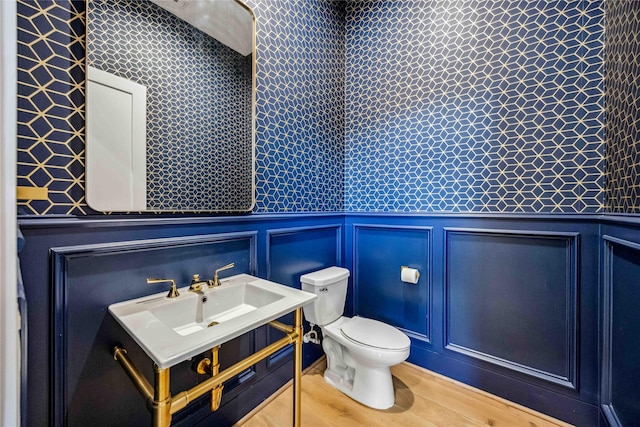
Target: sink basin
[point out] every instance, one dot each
(192, 313)
(171, 330)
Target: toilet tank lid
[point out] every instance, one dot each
(325, 276)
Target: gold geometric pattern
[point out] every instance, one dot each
(475, 105)
(300, 105)
(622, 69)
(51, 54)
(300, 144)
(199, 123)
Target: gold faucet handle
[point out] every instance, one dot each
(173, 292)
(216, 280)
(196, 283)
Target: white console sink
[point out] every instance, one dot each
(171, 330)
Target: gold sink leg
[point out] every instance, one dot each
(212, 367)
(297, 369)
(161, 405)
(216, 393)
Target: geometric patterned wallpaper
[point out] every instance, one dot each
(486, 106)
(51, 105)
(199, 142)
(622, 71)
(299, 112)
(300, 105)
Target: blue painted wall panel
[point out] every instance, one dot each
(379, 254)
(296, 240)
(625, 338)
(510, 297)
(87, 281)
(98, 281)
(561, 251)
(296, 251)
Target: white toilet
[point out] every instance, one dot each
(359, 351)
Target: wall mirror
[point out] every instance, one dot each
(170, 108)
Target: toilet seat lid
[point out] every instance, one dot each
(373, 333)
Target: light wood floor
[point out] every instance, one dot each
(423, 398)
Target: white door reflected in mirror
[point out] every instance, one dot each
(197, 63)
(116, 170)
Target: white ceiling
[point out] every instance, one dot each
(225, 20)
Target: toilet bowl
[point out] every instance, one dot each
(359, 351)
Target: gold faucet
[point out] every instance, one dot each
(216, 281)
(196, 283)
(173, 292)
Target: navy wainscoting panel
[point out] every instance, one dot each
(289, 245)
(511, 300)
(292, 252)
(379, 253)
(89, 278)
(73, 268)
(620, 394)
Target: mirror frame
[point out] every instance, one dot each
(253, 121)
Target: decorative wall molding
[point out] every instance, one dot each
(273, 234)
(60, 257)
(116, 220)
(580, 407)
(569, 376)
(425, 275)
(606, 391)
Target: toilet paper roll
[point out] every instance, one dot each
(409, 275)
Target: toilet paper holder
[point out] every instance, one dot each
(409, 275)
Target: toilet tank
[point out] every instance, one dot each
(330, 284)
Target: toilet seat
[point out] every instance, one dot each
(372, 333)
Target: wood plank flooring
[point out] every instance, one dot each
(423, 398)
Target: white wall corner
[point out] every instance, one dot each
(9, 368)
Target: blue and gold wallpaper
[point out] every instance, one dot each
(490, 106)
(199, 141)
(51, 56)
(622, 74)
(300, 106)
(485, 106)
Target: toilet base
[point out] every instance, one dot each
(372, 387)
